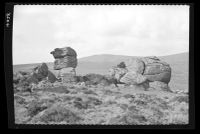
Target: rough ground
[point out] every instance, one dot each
(76, 103)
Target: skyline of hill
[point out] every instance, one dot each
(100, 64)
(112, 57)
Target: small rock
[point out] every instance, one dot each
(51, 77)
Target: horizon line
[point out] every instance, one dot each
(101, 54)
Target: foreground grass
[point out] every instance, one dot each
(67, 103)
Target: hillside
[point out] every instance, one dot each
(98, 102)
(101, 63)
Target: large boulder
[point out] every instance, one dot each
(65, 62)
(133, 78)
(41, 71)
(156, 70)
(138, 71)
(135, 65)
(64, 58)
(62, 52)
(33, 78)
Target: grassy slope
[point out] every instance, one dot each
(101, 63)
(62, 103)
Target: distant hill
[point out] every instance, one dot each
(105, 58)
(118, 58)
(101, 63)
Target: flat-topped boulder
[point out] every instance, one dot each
(62, 52)
(64, 58)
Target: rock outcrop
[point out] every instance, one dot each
(64, 58)
(143, 70)
(135, 65)
(156, 70)
(65, 62)
(117, 72)
(41, 72)
(133, 78)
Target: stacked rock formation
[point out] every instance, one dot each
(64, 58)
(141, 71)
(65, 62)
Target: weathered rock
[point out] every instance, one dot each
(140, 70)
(65, 62)
(41, 71)
(118, 73)
(33, 78)
(65, 71)
(135, 65)
(64, 58)
(62, 52)
(51, 77)
(163, 77)
(133, 78)
(153, 59)
(121, 65)
(156, 70)
(68, 77)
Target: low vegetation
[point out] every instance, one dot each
(93, 99)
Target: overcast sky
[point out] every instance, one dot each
(118, 29)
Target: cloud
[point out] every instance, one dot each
(125, 30)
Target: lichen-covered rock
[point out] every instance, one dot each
(133, 78)
(117, 73)
(62, 52)
(65, 62)
(150, 68)
(163, 77)
(39, 73)
(67, 74)
(43, 70)
(33, 78)
(156, 70)
(68, 77)
(64, 58)
(135, 65)
(51, 77)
